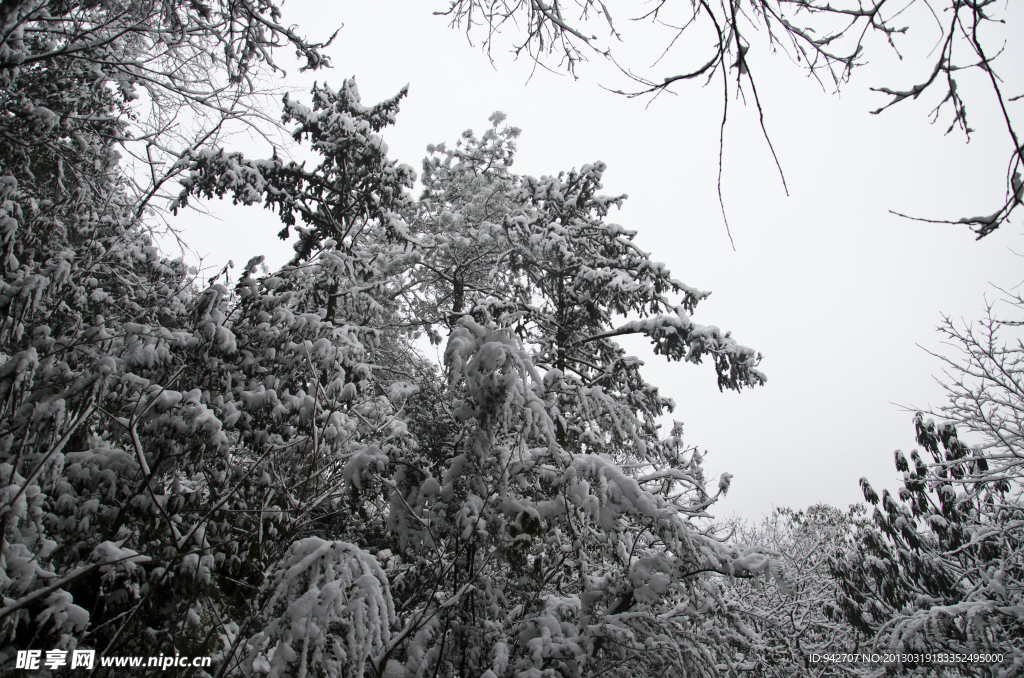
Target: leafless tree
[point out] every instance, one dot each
(828, 39)
(984, 382)
(185, 71)
(794, 611)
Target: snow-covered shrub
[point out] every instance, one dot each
(939, 568)
(792, 607)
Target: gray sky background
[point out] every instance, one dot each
(835, 291)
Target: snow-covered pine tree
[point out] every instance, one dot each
(316, 388)
(552, 531)
(550, 496)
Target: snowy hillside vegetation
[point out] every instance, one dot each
(263, 470)
(266, 472)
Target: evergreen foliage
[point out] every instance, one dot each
(939, 568)
(268, 473)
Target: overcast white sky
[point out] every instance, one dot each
(834, 291)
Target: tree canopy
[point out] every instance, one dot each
(269, 474)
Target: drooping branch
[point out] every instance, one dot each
(828, 40)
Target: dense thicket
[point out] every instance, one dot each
(794, 609)
(269, 474)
